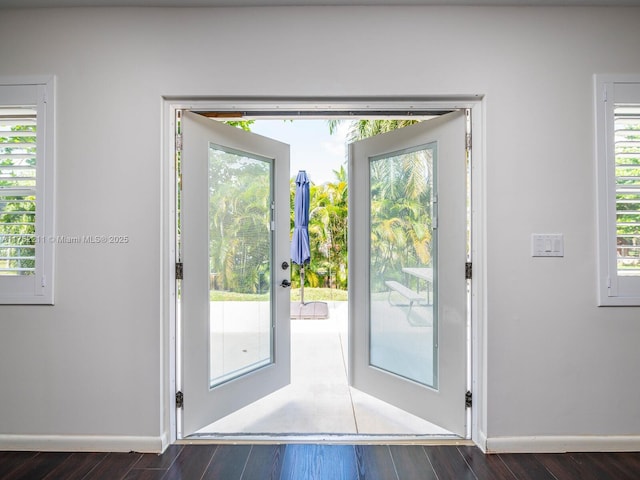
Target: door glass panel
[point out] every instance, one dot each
(403, 305)
(240, 251)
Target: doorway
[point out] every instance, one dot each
(399, 297)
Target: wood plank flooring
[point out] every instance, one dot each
(318, 462)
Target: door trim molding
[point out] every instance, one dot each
(322, 107)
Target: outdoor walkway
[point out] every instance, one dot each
(319, 401)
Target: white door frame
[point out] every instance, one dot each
(476, 337)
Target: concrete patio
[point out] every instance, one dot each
(319, 402)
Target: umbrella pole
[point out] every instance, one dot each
(302, 284)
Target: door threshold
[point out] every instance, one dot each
(329, 438)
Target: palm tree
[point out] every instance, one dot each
(361, 129)
(239, 220)
(401, 199)
(401, 217)
(328, 226)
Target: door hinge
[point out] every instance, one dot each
(179, 272)
(468, 270)
(468, 399)
(178, 142)
(467, 139)
(179, 400)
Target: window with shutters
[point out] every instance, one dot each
(618, 177)
(27, 238)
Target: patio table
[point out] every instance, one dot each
(421, 273)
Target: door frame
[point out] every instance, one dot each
(318, 107)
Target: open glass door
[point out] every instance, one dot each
(407, 253)
(235, 252)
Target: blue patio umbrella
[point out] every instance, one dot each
(300, 249)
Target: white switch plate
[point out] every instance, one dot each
(547, 245)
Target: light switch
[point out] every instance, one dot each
(547, 245)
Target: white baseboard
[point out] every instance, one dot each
(83, 443)
(561, 444)
(164, 442)
(481, 441)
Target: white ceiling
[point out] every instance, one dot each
(269, 3)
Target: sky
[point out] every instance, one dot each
(312, 147)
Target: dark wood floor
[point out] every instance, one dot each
(311, 462)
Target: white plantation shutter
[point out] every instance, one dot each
(627, 170)
(18, 192)
(26, 192)
(618, 143)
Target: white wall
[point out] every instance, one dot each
(92, 365)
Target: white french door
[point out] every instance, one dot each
(407, 291)
(235, 332)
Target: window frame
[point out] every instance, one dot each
(37, 288)
(613, 289)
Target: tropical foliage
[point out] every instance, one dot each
(239, 223)
(401, 191)
(361, 129)
(327, 234)
(239, 220)
(401, 225)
